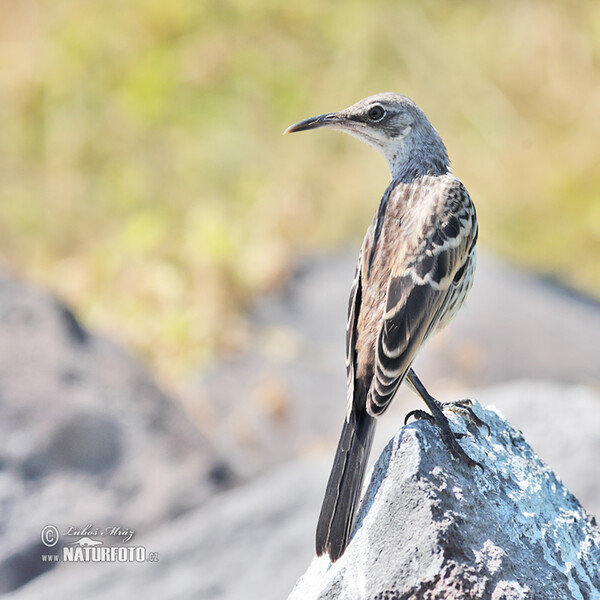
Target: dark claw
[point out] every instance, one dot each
(456, 449)
(448, 435)
(440, 419)
(478, 422)
(464, 406)
(418, 414)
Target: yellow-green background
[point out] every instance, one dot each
(144, 178)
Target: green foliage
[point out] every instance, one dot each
(144, 177)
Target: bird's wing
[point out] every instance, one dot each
(420, 289)
(353, 311)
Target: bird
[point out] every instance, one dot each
(415, 268)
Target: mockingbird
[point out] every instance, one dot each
(414, 270)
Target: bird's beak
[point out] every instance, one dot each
(327, 120)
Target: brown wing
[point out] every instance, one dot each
(353, 312)
(420, 291)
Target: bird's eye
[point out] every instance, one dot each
(376, 113)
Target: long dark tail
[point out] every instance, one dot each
(345, 483)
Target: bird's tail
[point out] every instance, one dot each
(345, 484)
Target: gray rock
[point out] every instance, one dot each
(562, 424)
(86, 436)
(560, 421)
(253, 540)
(431, 528)
(248, 542)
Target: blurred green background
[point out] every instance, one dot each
(144, 178)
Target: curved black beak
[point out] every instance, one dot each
(326, 120)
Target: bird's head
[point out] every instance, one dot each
(394, 125)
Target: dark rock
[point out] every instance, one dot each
(88, 442)
(221, 475)
(23, 566)
(73, 328)
(429, 527)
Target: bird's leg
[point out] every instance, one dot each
(437, 416)
(462, 407)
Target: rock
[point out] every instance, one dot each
(562, 424)
(86, 436)
(248, 542)
(429, 527)
(253, 540)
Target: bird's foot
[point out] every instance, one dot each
(419, 414)
(438, 418)
(463, 407)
